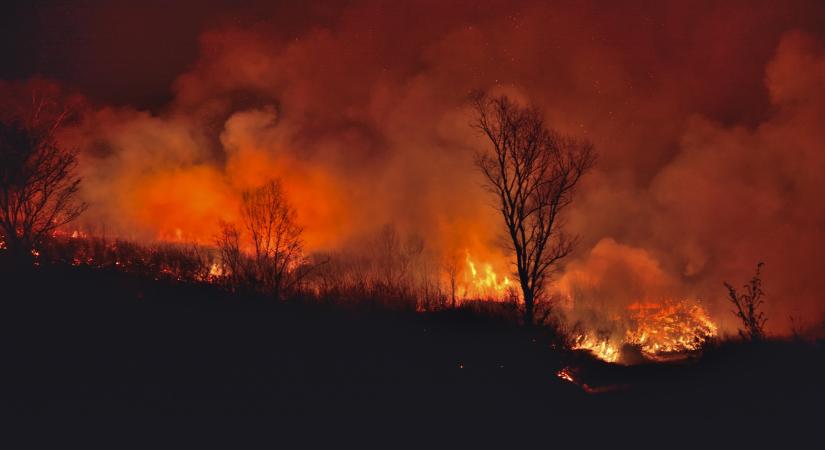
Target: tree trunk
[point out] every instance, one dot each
(452, 291)
(528, 308)
(18, 253)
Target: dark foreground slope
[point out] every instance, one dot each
(84, 341)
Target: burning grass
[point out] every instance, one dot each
(659, 331)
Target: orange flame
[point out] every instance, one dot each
(481, 280)
(658, 330)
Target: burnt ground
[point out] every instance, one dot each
(80, 341)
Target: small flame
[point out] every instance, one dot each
(215, 270)
(565, 374)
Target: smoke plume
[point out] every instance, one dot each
(706, 118)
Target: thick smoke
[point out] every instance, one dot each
(706, 121)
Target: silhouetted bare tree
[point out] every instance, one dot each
(395, 256)
(452, 266)
(388, 257)
(232, 258)
(748, 307)
(533, 171)
(38, 185)
(275, 235)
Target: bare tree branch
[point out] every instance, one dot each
(275, 235)
(533, 172)
(38, 185)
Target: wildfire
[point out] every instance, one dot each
(658, 330)
(601, 348)
(671, 328)
(483, 281)
(215, 270)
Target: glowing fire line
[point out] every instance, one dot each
(484, 282)
(656, 329)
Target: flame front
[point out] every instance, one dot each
(670, 328)
(600, 347)
(657, 330)
(482, 281)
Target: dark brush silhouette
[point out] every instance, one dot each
(86, 340)
(748, 306)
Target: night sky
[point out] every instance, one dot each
(126, 52)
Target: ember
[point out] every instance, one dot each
(569, 374)
(565, 374)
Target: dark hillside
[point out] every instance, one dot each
(99, 342)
